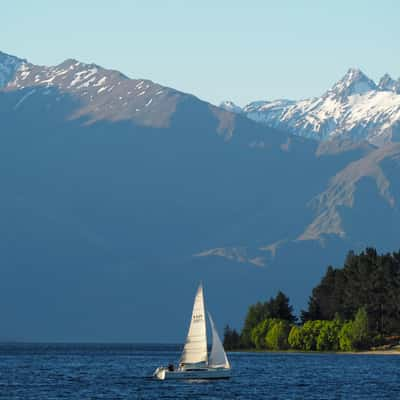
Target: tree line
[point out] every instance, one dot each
(352, 308)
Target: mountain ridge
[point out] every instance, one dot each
(104, 94)
(355, 107)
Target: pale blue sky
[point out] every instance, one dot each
(238, 50)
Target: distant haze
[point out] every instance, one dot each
(215, 50)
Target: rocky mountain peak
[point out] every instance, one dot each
(8, 67)
(355, 108)
(387, 83)
(353, 82)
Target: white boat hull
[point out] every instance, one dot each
(163, 373)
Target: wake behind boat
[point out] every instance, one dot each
(195, 363)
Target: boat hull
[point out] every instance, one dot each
(206, 373)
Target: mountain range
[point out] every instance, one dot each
(120, 194)
(355, 108)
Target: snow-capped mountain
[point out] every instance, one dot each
(355, 108)
(101, 93)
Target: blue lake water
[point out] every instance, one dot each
(50, 372)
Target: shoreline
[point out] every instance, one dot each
(377, 352)
(390, 352)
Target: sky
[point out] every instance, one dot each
(218, 50)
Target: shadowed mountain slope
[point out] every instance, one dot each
(110, 215)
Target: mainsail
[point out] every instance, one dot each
(195, 350)
(218, 358)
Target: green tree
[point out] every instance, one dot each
(276, 307)
(360, 330)
(325, 300)
(295, 338)
(259, 332)
(280, 308)
(231, 339)
(310, 333)
(277, 335)
(346, 337)
(255, 314)
(313, 311)
(228, 345)
(355, 334)
(328, 338)
(235, 340)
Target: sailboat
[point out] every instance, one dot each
(195, 363)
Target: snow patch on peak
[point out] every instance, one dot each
(268, 105)
(101, 81)
(82, 76)
(231, 106)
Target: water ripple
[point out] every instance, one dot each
(121, 372)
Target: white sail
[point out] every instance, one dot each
(218, 358)
(195, 350)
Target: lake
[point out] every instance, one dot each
(94, 371)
